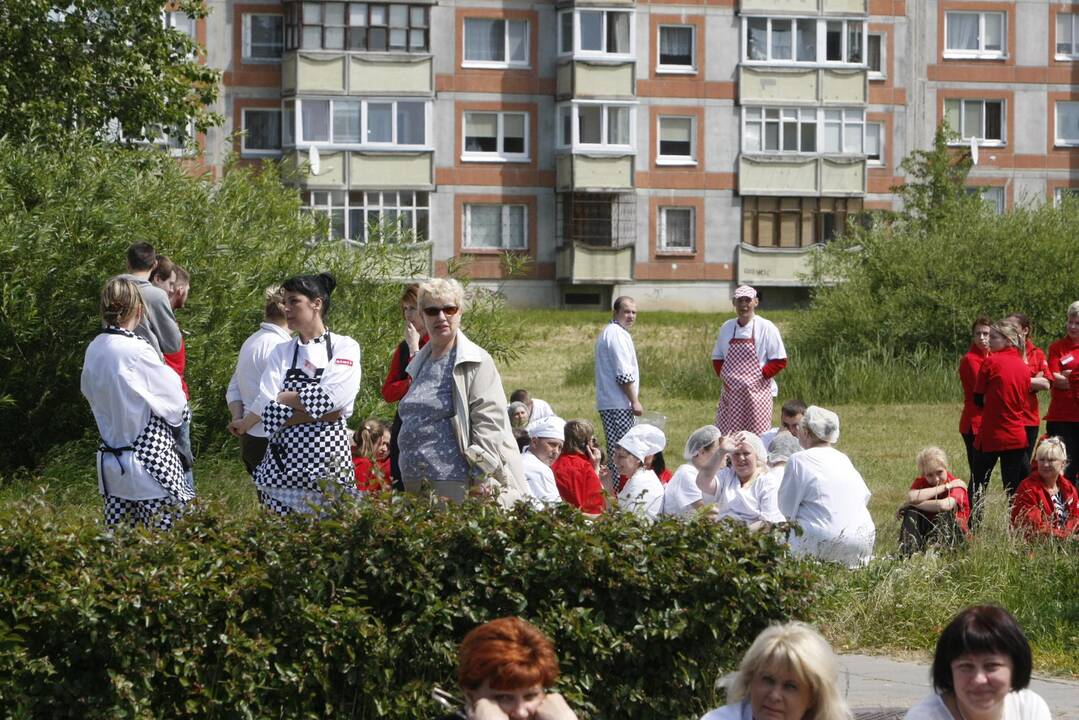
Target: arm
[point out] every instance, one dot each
(490, 430)
(777, 353)
(339, 384)
(162, 321)
(1027, 514)
(717, 365)
(157, 384)
(630, 391)
(944, 504)
(395, 386)
(773, 367)
(790, 492)
(626, 372)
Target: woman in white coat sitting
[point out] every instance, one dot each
(824, 494)
(637, 488)
(746, 493)
(693, 487)
(136, 400)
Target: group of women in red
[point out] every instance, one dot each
(1002, 374)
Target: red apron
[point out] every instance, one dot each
(746, 402)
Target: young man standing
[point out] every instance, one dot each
(158, 325)
(617, 375)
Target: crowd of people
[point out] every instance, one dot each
(456, 434)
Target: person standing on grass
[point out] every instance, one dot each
(158, 325)
(244, 386)
(937, 508)
(1046, 503)
(175, 282)
(747, 355)
(1062, 420)
(1039, 375)
(397, 379)
(618, 377)
(969, 366)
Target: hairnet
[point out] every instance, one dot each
(822, 424)
(701, 438)
(783, 446)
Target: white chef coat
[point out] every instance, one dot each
(125, 380)
(749, 504)
(682, 491)
(340, 378)
(642, 494)
(540, 478)
(540, 409)
(767, 342)
(826, 495)
(251, 362)
(615, 356)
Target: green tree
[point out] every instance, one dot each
(100, 65)
(936, 180)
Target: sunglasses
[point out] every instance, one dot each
(448, 311)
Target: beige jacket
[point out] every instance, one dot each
(480, 421)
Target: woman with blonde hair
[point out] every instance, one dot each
(788, 673)
(937, 508)
(137, 401)
(1045, 503)
(746, 492)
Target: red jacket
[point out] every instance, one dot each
(371, 476)
(971, 419)
(1037, 364)
(578, 483)
(397, 380)
(1064, 404)
(178, 362)
(962, 501)
(1032, 508)
(1004, 381)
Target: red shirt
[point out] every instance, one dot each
(1004, 381)
(1064, 404)
(178, 362)
(1032, 508)
(971, 419)
(962, 501)
(397, 380)
(371, 476)
(578, 483)
(1036, 363)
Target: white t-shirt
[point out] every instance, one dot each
(616, 357)
(682, 491)
(250, 363)
(767, 341)
(756, 501)
(826, 495)
(734, 711)
(540, 478)
(540, 409)
(642, 494)
(1018, 705)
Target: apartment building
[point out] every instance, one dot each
(667, 149)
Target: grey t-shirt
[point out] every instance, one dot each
(429, 448)
(158, 325)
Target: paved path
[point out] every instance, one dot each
(872, 683)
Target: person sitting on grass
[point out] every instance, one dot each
(693, 486)
(746, 493)
(784, 444)
(504, 668)
(537, 409)
(545, 445)
(789, 417)
(789, 673)
(637, 488)
(371, 456)
(578, 469)
(937, 509)
(1045, 503)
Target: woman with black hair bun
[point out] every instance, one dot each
(305, 396)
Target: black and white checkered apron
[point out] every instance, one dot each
(305, 465)
(155, 448)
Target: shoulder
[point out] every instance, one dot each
(767, 325)
(1026, 704)
(470, 352)
(152, 294)
(931, 707)
(734, 711)
(344, 343)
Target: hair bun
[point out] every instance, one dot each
(327, 282)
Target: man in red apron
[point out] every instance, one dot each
(748, 353)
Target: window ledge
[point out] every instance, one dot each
(601, 58)
(981, 143)
(259, 61)
(969, 55)
(675, 254)
(481, 65)
(1066, 144)
(492, 251)
(876, 76)
(675, 70)
(600, 150)
(874, 163)
(480, 158)
(260, 153)
(1066, 58)
(390, 149)
(676, 162)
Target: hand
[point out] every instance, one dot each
(1060, 380)
(237, 427)
(554, 707)
(412, 338)
(595, 454)
(638, 409)
(957, 483)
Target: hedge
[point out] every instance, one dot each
(359, 615)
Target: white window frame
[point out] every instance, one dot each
(261, 152)
(466, 231)
(661, 230)
(684, 160)
(247, 39)
(981, 53)
(1058, 141)
(1060, 192)
(577, 52)
(821, 42)
(301, 144)
(499, 155)
(1073, 17)
(844, 123)
(690, 69)
(803, 116)
(603, 146)
(507, 63)
(999, 199)
(964, 137)
(879, 162)
(881, 74)
(311, 203)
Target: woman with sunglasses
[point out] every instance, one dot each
(1046, 504)
(455, 434)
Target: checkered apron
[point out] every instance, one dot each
(305, 465)
(746, 402)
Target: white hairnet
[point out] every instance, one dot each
(754, 442)
(701, 438)
(822, 424)
(783, 446)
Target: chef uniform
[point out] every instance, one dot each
(538, 475)
(642, 493)
(136, 400)
(305, 463)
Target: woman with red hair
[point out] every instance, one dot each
(504, 668)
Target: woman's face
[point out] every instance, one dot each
(441, 318)
(624, 462)
(936, 473)
(981, 681)
(412, 315)
(382, 449)
(301, 311)
(518, 704)
(745, 462)
(997, 341)
(1049, 470)
(1073, 327)
(777, 694)
(519, 418)
(980, 336)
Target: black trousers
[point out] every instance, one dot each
(968, 441)
(1014, 466)
(917, 530)
(1069, 433)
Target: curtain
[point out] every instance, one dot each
(484, 226)
(962, 31)
(346, 122)
(678, 228)
(484, 40)
(513, 133)
(518, 40)
(806, 37)
(316, 120)
(263, 129)
(617, 32)
(618, 126)
(757, 39)
(481, 132)
(1068, 121)
(515, 227)
(781, 40)
(675, 46)
(590, 124)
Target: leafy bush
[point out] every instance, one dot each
(67, 215)
(359, 615)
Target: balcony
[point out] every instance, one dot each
(353, 74)
(829, 86)
(801, 175)
(366, 170)
(580, 263)
(594, 172)
(587, 79)
(776, 267)
(804, 7)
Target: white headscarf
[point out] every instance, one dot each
(548, 427)
(643, 440)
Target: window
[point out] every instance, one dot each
(779, 130)
(974, 34)
(676, 48)
(495, 227)
(792, 222)
(179, 20)
(844, 41)
(495, 136)
(991, 195)
(373, 216)
(874, 52)
(844, 130)
(371, 27)
(596, 32)
(1067, 123)
(262, 132)
(803, 40)
(597, 125)
(676, 229)
(496, 43)
(1067, 36)
(1061, 194)
(981, 119)
(357, 122)
(676, 140)
(264, 38)
(874, 143)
